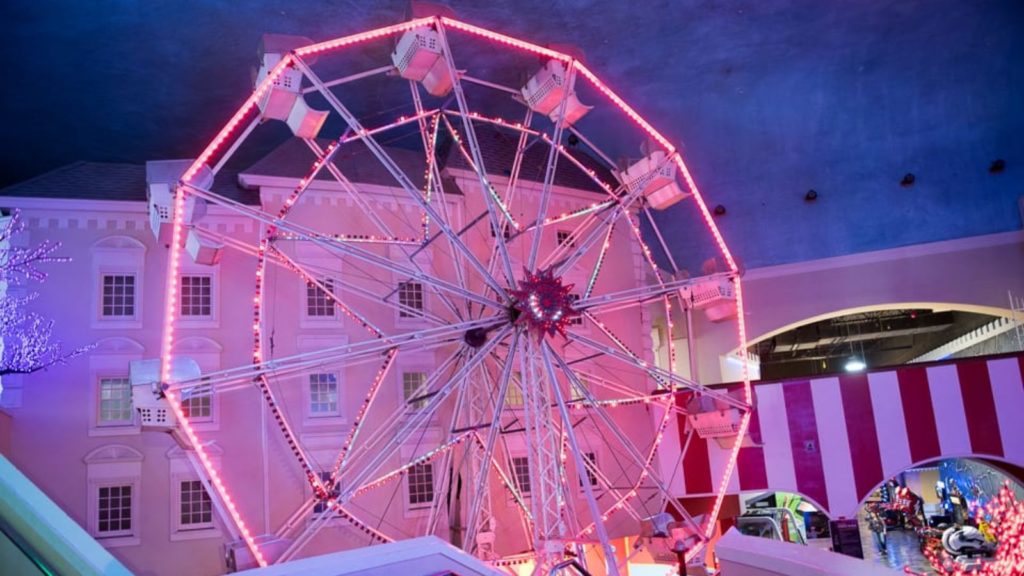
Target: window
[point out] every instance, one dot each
(410, 299)
(114, 478)
(575, 393)
(118, 296)
(195, 507)
(411, 383)
(197, 402)
(321, 506)
(191, 503)
(323, 395)
(197, 296)
(114, 510)
(590, 458)
(521, 471)
(115, 402)
(506, 233)
(514, 392)
(117, 281)
(421, 485)
(318, 302)
(578, 319)
(564, 238)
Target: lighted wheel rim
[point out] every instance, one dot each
(533, 354)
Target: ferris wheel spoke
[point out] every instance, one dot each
(552, 167)
(351, 190)
(480, 480)
(626, 443)
(481, 169)
(403, 180)
(661, 239)
(658, 373)
(578, 459)
(604, 218)
(343, 248)
(645, 294)
(419, 418)
(342, 286)
(299, 362)
(434, 180)
(497, 212)
(386, 428)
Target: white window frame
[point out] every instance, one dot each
(207, 354)
(181, 470)
(409, 453)
(579, 283)
(426, 263)
(320, 266)
(309, 395)
(515, 388)
(421, 362)
(424, 506)
(100, 422)
(110, 359)
(419, 404)
(118, 255)
(114, 465)
(410, 317)
(190, 268)
(596, 486)
(309, 419)
(512, 457)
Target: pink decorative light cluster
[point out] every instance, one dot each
(1005, 517)
(544, 302)
(545, 305)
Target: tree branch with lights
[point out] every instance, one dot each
(27, 338)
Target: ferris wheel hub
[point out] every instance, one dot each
(543, 304)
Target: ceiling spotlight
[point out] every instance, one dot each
(719, 210)
(811, 195)
(573, 140)
(997, 166)
(854, 365)
(908, 180)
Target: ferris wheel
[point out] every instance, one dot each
(473, 346)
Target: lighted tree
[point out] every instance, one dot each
(1005, 517)
(26, 338)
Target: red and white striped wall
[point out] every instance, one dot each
(834, 439)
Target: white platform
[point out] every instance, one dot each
(741, 555)
(417, 557)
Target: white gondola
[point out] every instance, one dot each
(655, 176)
(161, 179)
(545, 90)
(148, 399)
(418, 56)
(284, 101)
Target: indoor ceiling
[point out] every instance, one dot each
(768, 100)
(879, 339)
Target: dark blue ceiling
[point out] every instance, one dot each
(768, 99)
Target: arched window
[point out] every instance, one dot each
(117, 267)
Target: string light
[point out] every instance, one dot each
(534, 303)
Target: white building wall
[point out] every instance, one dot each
(55, 423)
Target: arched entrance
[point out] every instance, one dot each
(881, 336)
(912, 511)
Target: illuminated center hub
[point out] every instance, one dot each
(543, 304)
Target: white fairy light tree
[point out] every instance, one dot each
(26, 338)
